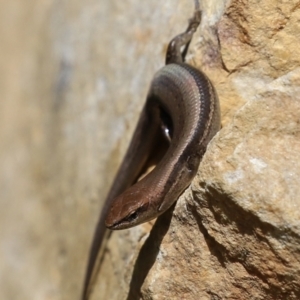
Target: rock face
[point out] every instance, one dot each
(235, 233)
(72, 81)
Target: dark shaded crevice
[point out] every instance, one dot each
(148, 253)
(220, 252)
(247, 223)
(215, 248)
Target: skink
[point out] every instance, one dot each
(180, 117)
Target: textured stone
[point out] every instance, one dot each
(73, 78)
(235, 232)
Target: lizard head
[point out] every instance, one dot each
(134, 206)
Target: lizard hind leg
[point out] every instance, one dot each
(174, 53)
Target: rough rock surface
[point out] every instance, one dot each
(73, 77)
(235, 234)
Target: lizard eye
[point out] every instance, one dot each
(132, 216)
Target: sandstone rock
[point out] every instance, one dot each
(235, 233)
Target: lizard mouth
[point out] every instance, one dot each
(123, 223)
